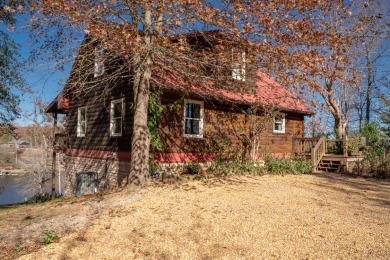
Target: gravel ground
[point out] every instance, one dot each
(325, 216)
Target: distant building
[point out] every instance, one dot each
(19, 144)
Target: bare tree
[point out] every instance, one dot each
(371, 21)
(255, 128)
(331, 74)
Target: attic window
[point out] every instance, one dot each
(116, 117)
(279, 124)
(81, 121)
(193, 118)
(238, 69)
(99, 61)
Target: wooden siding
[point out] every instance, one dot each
(222, 121)
(225, 123)
(97, 136)
(96, 94)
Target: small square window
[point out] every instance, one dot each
(99, 61)
(193, 118)
(81, 121)
(116, 117)
(279, 123)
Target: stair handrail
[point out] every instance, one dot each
(303, 145)
(318, 152)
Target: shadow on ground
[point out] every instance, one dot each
(374, 190)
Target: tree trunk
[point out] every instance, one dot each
(139, 168)
(369, 88)
(335, 109)
(338, 127)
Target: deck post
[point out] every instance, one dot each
(293, 145)
(345, 145)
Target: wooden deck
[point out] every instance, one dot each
(320, 153)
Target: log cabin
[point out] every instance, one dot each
(250, 116)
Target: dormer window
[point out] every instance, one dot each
(99, 61)
(238, 68)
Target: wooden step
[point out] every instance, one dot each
(330, 161)
(328, 166)
(319, 169)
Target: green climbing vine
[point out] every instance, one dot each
(154, 117)
(155, 111)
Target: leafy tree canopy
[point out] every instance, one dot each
(10, 78)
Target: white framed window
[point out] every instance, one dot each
(193, 118)
(279, 123)
(238, 68)
(81, 121)
(116, 117)
(99, 61)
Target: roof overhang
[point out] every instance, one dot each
(58, 106)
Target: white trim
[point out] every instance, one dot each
(201, 119)
(113, 102)
(99, 61)
(283, 117)
(79, 134)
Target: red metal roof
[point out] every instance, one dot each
(268, 91)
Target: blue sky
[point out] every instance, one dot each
(44, 82)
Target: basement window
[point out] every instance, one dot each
(81, 121)
(99, 61)
(116, 117)
(193, 118)
(279, 124)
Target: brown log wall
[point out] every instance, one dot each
(97, 135)
(222, 121)
(225, 123)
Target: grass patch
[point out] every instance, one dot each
(49, 237)
(287, 165)
(18, 251)
(271, 165)
(229, 167)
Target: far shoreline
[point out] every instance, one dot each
(18, 171)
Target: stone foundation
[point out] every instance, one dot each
(110, 173)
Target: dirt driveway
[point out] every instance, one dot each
(295, 216)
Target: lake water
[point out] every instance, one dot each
(18, 188)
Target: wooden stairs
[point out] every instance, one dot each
(328, 165)
(325, 155)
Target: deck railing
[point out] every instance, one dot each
(334, 146)
(316, 148)
(317, 152)
(303, 146)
